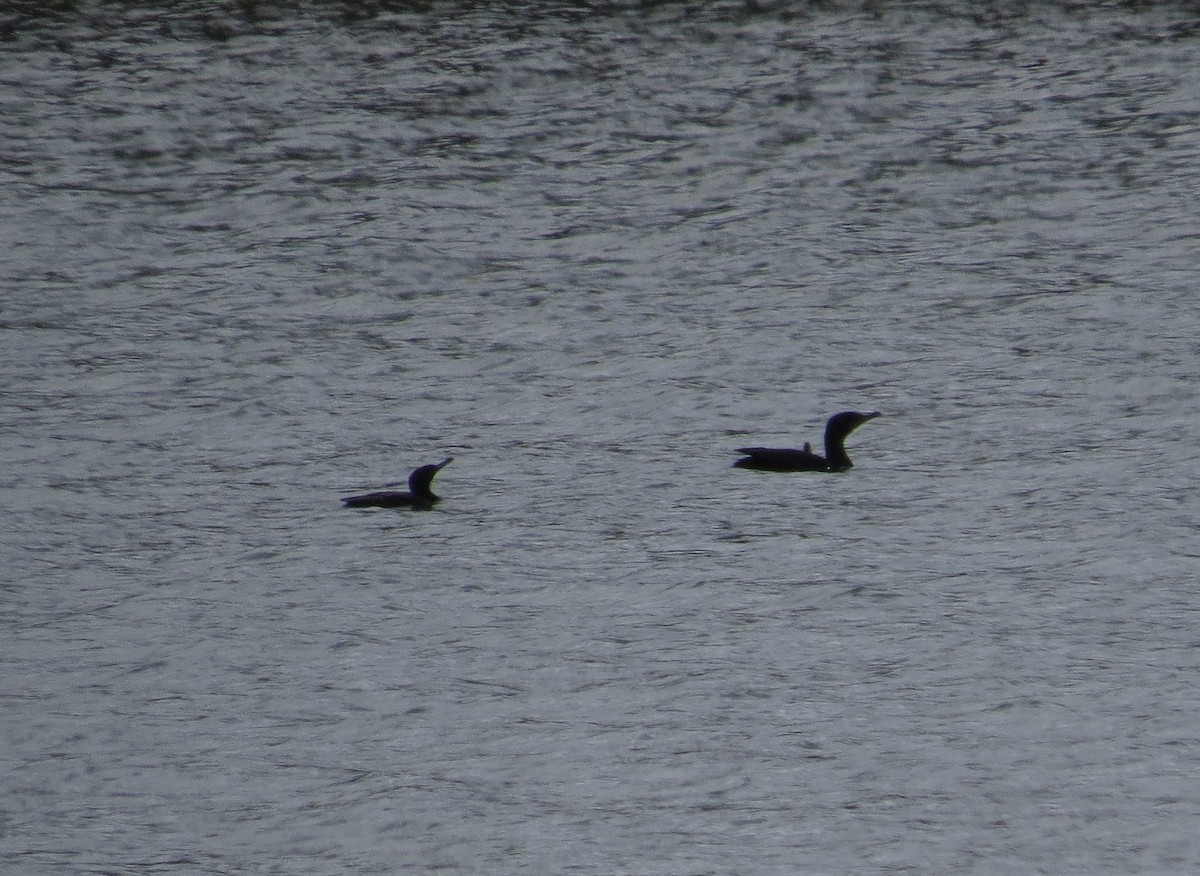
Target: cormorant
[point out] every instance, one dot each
(835, 458)
(420, 497)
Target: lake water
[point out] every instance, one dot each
(257, 258)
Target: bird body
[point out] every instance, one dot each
(835, 459)
(420, 496)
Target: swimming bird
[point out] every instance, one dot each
(835, 458)
(420, 497)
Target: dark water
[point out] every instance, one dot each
(257, 258)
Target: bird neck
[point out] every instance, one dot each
(835, 453)
(421, 488)
(423, 491)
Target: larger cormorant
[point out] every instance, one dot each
(420, 497)
(835, 458)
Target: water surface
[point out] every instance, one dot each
(257, 259)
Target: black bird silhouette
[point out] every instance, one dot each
(835, 458)
(420, 497)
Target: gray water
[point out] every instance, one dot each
(256, 259)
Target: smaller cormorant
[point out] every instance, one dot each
(835, 458)
(420, 497)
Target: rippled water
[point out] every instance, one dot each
(256, 259)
